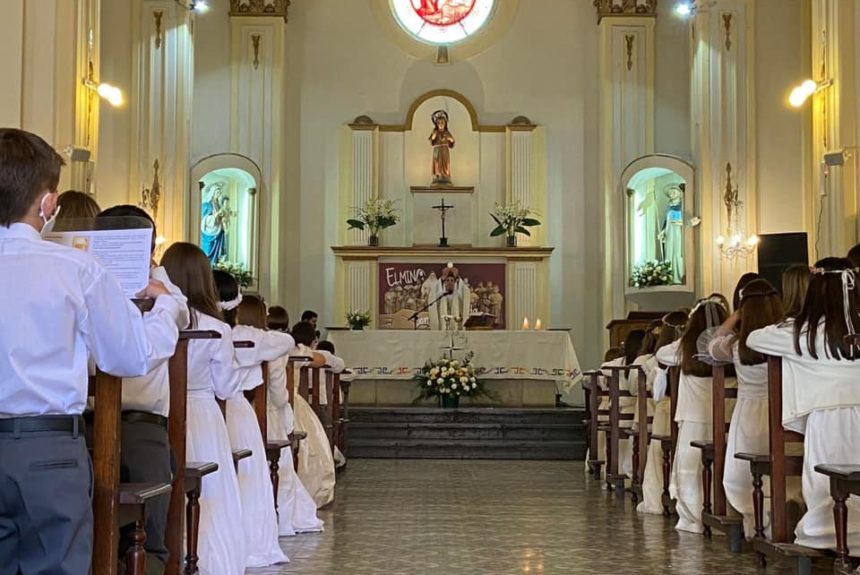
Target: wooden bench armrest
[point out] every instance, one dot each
(200, 468)
(850, 473)
(137, 493)
(703, 444)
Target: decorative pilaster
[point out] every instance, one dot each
(258, 31)
(723, 122)
(365, 174)
(359, 278)
(161, 100)
(627, 122)
(525, 295)
(835, 121)
(521, 173)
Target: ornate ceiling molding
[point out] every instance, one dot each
(625, 8)
(259, 8)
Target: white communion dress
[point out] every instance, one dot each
(255, 484)
(297, 512)
(652, 483)
(212, 372)
(821, 399)
(316, 463)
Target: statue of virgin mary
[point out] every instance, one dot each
(215, 217)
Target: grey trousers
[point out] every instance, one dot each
(46, 516)
(146, 458)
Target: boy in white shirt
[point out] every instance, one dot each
(59, 306)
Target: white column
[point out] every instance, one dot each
(525, 290)
(160, 103)
(359, 289)
(627, 128)
(256, 127)
(723, 124)
(364, 174)
(519, 172)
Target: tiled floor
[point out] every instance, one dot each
(494, 518)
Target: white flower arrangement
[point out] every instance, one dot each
(512, 219)
(376, 214)
(449, 377)
(358, 319)
(651, 273)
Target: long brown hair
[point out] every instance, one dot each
(632, 344)
(252, 311)
(824, 301)
(697, 323)
(795, 281)
(652, 332)
(671, 328)
(742, 283)
(761, 306)
(189, 268)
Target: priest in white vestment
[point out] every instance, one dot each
(454, 300)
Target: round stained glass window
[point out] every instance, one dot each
(442, 21)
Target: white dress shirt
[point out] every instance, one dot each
(268, 346)
(59, 305)
(151, 392)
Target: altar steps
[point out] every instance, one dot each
(468, 433)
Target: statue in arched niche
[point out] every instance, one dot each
(215, 219)
(442, 142)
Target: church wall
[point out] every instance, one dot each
(782, 132)
(671, 84)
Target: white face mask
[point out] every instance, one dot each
(49, 222)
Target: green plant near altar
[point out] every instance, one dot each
(448, 378)
(358, 320)
(242, 276)
(511, 220)
(652, 273)
(375, 215)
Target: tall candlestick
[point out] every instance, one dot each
(525, 323)
(537, 324)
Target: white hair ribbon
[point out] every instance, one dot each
(232, 304)
(848, 283)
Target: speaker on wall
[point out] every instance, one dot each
(779, 251)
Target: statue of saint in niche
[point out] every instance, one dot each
(442, 142)
(215, 219)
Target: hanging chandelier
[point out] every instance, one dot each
(734, 244)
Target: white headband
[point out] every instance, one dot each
(232, 304)
(713, 299)
(848, 283)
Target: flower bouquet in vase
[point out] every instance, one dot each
(374, 216)
(358, 320)
(512, 220)
(449, 380)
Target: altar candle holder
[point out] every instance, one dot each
(537, 325)
(525, 323)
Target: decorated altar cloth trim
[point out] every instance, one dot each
(387, 354)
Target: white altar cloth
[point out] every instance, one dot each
(504, 355)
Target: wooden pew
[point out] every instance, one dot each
(715, 509)
(778, 465)
(844, 482)
(332, 390)
(343, 422)
(258, 398)
(188, 478)
(669, 442)
(614, 479)
(296, 437)
(592, 399)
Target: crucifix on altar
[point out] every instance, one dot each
(443, 209)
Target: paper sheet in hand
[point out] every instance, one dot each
(124, 253)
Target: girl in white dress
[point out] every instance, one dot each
(821, 394)
(648, 362)
(672, 324)
(760, 306)
(255, 485)
(693, 414)
(632, 344)
(212, 373)
(316, 463)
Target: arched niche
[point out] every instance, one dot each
(659, 217)
(224, 218)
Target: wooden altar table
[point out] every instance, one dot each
(525, 368)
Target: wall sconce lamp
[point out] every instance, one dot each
(110, 93)
(802, 92)
(687, 8)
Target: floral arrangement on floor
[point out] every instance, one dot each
(511, 220)
(375, 215)
(358, 320)
(243, 276)
(651, 273)
(449, 377)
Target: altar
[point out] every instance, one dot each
(525, 368)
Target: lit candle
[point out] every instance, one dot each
(525, 323)
(537, 324)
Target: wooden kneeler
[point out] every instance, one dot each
(188, 478)
(715, 509)
(778, 466)
(614, 479)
